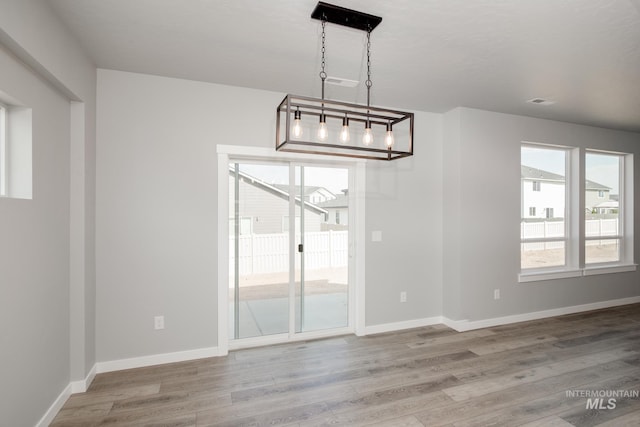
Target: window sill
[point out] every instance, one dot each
(606, 269)
(548, 275)
(565, 274)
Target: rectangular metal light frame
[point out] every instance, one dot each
(346, 17)
(336, 110)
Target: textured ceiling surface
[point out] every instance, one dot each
(429, 55)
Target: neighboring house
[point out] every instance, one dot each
(338, 212)
(312, 194)
(264, 208)
(595, 195)
(543, 195)
(608, 207)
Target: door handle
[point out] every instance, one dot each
(300, 248)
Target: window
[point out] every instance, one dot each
(603, 230)
(337, 217)
(15, 149)
(558, 245)
(544, 240)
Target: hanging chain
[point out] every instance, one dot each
(323, 74)
(368, 83)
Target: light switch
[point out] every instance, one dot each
(376, 236)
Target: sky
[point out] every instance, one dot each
(600, 168)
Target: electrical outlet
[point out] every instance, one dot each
(403, 296)
(158, 322)
(496, 294)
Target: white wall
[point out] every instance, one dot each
(33, 34)
(34, 260)
(404, 201)
(157, 212)
(483, 173)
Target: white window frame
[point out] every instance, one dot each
(575, 193)
(535, 185)
(4, 151)
(570, 257)
(625, 215)
(532, 211)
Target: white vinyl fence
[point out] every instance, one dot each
(546, 229)
(269, 253)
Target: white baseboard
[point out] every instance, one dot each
(53, 410)
(398, 326)
(156, 359)
(466, 325)
(82, 385)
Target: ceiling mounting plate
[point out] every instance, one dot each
(346, 17)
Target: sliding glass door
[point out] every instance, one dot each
(322, 258)
(289, 249)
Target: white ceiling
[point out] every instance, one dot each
(429, 55)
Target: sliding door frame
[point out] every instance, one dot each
(227, 153)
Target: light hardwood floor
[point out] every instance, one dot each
(502, 376)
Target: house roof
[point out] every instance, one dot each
(341, 201)
(527, 172)
(530, 173)
(591, 185)
(608, 204)
(308, 189)
(271, 188)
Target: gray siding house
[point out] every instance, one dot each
(264, 208)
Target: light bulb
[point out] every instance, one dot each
(344, 133)
(388, 139)
(297, 125)
(367, 137)
(323, 133)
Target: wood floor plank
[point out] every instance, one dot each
(551, 421)
(383, 412)
(111, 395)
(631, 419)
(93, 413)
(278, 417)
(478, 388)
(552, 404)
(515, 396)
(408, 421)
(512, 344)
(432, 376)
(480, 333)
(377, 398)
(581, 416)
(289, 400)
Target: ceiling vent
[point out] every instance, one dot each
(541, 101)
(339, 81)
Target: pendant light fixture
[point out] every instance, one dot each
(341, 128)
